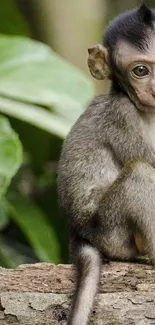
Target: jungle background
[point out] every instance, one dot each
(44, 86)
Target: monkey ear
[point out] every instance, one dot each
(97, 62)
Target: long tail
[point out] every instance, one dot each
(88, 263)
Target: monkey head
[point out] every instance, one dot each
(127, 56)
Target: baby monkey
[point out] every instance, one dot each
(106, 178)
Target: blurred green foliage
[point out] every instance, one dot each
(12, 22)
(41, 95)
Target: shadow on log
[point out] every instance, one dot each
(40, 294)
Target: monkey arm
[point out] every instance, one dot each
(126, 132)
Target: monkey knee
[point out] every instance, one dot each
(122, 253)
(119, 245)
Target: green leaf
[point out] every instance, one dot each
(13, 253)
(7, 257)
(32, 221)
(10, 154)
(36, 116)
(31, 73)
(11, 20)
(4, 220)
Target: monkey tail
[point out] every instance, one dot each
(88, 262)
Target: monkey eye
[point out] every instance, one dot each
(140, 71)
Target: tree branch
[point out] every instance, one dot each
(40, 294)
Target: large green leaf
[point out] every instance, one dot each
(35, 226)
(36, 116)
(31, 73)
(10, 154)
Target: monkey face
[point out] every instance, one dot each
(133, 69)
(136, 74)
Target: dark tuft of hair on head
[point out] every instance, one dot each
(145, 14)
(132, 26)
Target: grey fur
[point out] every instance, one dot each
(104, 178)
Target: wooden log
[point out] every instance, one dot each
(40, 294)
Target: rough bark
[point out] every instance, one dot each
(40, 295)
